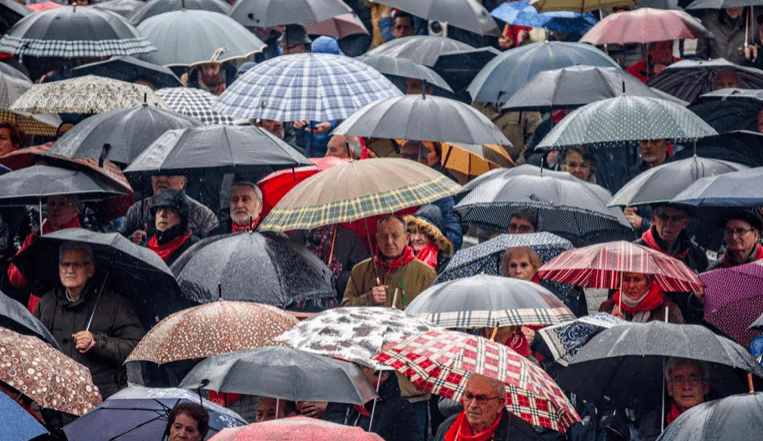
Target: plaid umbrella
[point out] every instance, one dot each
(355, 334)
(602, 266)
(566, 339)
(440, 362)
(193, 102)
(357, 190)
(48, 377)
(214, 328)
(319, 87)
(11, 88)
(688, 79)
(88, 94)
(70, 32)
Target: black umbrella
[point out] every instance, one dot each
(225, 149)
(727, 110)
(741, 146)
(282, 372)
(404, 68)
(460, 67)
(419, 48)
(252, 267)
(130, 69)
(136, 272)
(627, 362)
(14, 316)
(149, 9)
(127, 132)
(30, 185)
(735, 418)
(689, 79)
(11, 12)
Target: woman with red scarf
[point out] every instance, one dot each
(429, 244)
(641, 300)
(172, 236)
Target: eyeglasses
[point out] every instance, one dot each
(516, 228)
(674, 219)
(481, 399)
(73, 265)
(62, 204)
(691, 380)
(728, 232)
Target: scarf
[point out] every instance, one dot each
(756, 254)
(518, 342)
(74, 223)
(400, 262)
(673, 414)
(461, 431)
(428, 255)
(641, 309)
(236, 228)
(319, 242)
(649, 238)
(167, 249)
(362, 411)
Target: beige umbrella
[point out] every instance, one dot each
(337, 27)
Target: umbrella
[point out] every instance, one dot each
(732, 299)
(28, 186)
(284, 373)
(484, 301)
(296, 428)
(645, 25)
(204, 36)
(662, 183)
(11, 11)
(255, 268)
(579, 5)
(603, 265)
(125, 8)
(45, 375)
(88, 94)
(459, 67)
(338, 27)
(464, 14)
(130, 69)
(11, 88)
(568, 208)
(210, 329)
(465, 161)
(7, 69)
(132, 270)
(741, 146)
(505, 74)
(19, 424)
(44, 6)
(150, 9)
(566, 339)
(719, 4)
(354, 334)
(419, 48)
(140, 413)
(15, 317)
(757, 324)
(357, 190)
(637, 117)
(627, 362)
(404, 68)
(195, 103)
(440, 362)
(127, 132)
(734, 189)
(689, 79)
(522, 14)
(271, 13)
(317, 87)
(734, 418)
(70, 32)
(730, 109)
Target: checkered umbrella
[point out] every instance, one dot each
(357, 190)
(440, 362)
(73, 31)
(193, 102)
(319, 87)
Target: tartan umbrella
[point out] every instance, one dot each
(193, 102)
(357, 190)
(318, 87)
(603, 265)
(440, 362)
(11, 88)
(72, 31)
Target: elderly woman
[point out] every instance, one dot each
(172, 236)
(187, 422)
(429, 244)
(580, 162)
(520, 263)
(11, 138)
(641, 300)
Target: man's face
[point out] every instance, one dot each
(414, 151)
(273, 126)
(210, 69)
(635, 285)
(654, 150)
(162, 183)
(517, 225)
(669, 223)
(740, 236)
(244, 204)
(266, 410)
(337, 147)
(287, 48)
(392, 238)
(403, 27)
(166, 218)
(726, 79)
(61, 210)
(687, 386)
(661, 52)
(481, 403)
(74, 269)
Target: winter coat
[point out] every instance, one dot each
(413, 277)
(728, 36)
(696, 259)
(657, 314)
(510, 428)
(201, 219)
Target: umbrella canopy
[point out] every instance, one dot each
(464, 14)
(270, 13)
(15, 317)
(125, 8)
(645, 25)
(70, 32)
(422, 118)
(404, 68)
(484, 301)
(45, 375)
(11, 11)
(440, 362)
(505, 74)
(459, 67)
(255, 268)
(603, 265)
(318, 87)
(637, 117)
(662, 183)
(688, 79)
(732, 299)
(195, 103)
(150, 9)
(11, 88)
(719, 4)
(214, 328)
(627, 362)
(356, 190)
(522, 14)
(579, 5)
(19, 424)
(338, 27)
(354, 334)
(419, 48)
(28, 186)
(140, 413)
(191, 37)
(566, 339)
(734, 189)
(741, 146)
(734, 418)
(730, 109)
(284, 373)
(131, 69)
(88, 94)
(296, 428)
(44, 6)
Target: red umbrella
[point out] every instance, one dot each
(297, 428)
(39, 7)
(602, 266)
(645, 25)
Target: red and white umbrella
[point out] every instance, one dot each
(645, 25)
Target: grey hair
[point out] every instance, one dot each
(76, 246)
(251, 185)
(354, 147)
(678, 361)
(498, 386)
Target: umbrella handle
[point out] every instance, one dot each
(749, 382)
(495, 332)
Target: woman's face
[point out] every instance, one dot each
(520, 267)
(635, 285)
(184, 428)
(419, 241)
(6, 143)
(575, 165)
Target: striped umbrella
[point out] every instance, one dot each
(603, 265)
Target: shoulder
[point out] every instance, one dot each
(421, 267)
(518, 429)
(444, 427)
(198, 206)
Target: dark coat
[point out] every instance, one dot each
(696, 259)
(115, 326)
(510, 428)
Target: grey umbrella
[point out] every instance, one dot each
(269, 13)
(125, 8)
(150, 9)
(282, 372)
(14, 316)
(404, 68)
(735, 418)
(420, 48)
(32, 184)
(735, 189)
(464, 14)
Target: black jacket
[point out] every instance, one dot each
(510, 428)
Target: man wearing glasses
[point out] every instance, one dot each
(741, 232)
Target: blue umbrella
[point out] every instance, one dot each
(565, 22)
(18, 424)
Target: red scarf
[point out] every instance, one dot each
(224, 399)
(653, 299)
(362, 411)
(166, 250)
(428, 255)
(236, 228)
(401, 261)
(673, 414)
(758, 251)
(648, 238)
(518, 342)
(461, 431)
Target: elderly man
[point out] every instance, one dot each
(200, 218)
(524, 221)
(485, 416)
(660, 57)
(245, 209)
(101, 344)
(741, 232)
(654, 152)
(344, 147)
